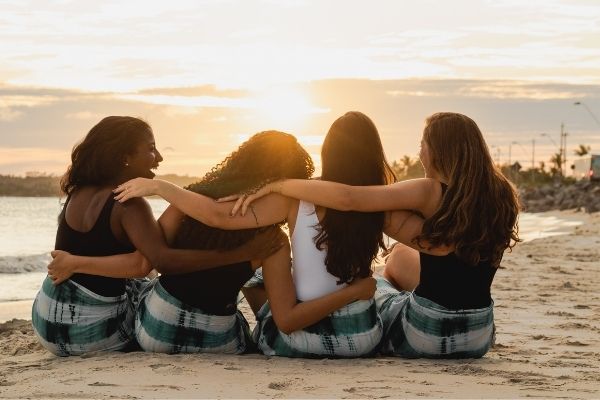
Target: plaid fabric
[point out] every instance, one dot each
(72, 320)
(163, 324)
(417, 327)
(355, 330)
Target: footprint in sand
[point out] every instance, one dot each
(158, 366)
(278, 385)
(560, 313)
(575, 343)
(101, 384)
(575, 325)
(568, 285)
(540, 337)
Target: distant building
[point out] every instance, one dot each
(587, 168)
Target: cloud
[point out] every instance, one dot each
(202, 133)
(84, 115)
(188, 101)
(126, 47)
(195, 91)
(12, 105)
(490, 89)
(21, 160)
(7, 114)
(25, 100)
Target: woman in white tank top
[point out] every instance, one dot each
(308, 264)
(309, 315)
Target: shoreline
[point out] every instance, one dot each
(547, 313)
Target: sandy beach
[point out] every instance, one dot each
(547, 307)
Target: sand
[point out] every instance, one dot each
(548, 345)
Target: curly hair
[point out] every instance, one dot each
(352, 153)
(265, 157)
(479, 211)
(99, 158)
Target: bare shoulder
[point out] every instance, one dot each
(427, 193)
(135, 205)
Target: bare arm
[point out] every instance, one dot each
(147, 237)
(289, 315)
(64, 265)
(423, 195)
(405, 226)
(270, 210)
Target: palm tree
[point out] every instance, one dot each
(557, 161)
(582, 150)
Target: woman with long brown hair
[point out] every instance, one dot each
(331, 250)
(82, 308)
(451, 257)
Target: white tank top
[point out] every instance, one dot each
(310, 273)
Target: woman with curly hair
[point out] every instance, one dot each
(94, 309)
(332, 251)
(450, 259)
(197, 311)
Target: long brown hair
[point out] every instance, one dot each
(100, 157)
(265, 157)
(479, 211)
(352, 154)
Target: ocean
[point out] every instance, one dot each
(27, 233)
(28, 228)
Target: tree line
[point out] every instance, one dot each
(36, 184)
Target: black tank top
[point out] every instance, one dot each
(214, 291)
(98, 241)
(452, 283)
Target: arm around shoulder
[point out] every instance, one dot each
(415, 194)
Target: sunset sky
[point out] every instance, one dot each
(207, 74)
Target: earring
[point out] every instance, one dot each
(127, 164)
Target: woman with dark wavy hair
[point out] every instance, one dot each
(92, 310)
(332, 251)
(450, 259)
(197, 311)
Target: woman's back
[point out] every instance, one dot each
(311, 277)
(450, 282)
(214, 291)
(85, 229)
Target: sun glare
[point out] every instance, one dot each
(285, 109)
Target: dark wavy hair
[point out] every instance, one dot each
(479, 210)
(352, 154)
(265, 157)
(100, 157)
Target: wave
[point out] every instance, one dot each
(23, 264)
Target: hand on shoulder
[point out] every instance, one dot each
(138, 187)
